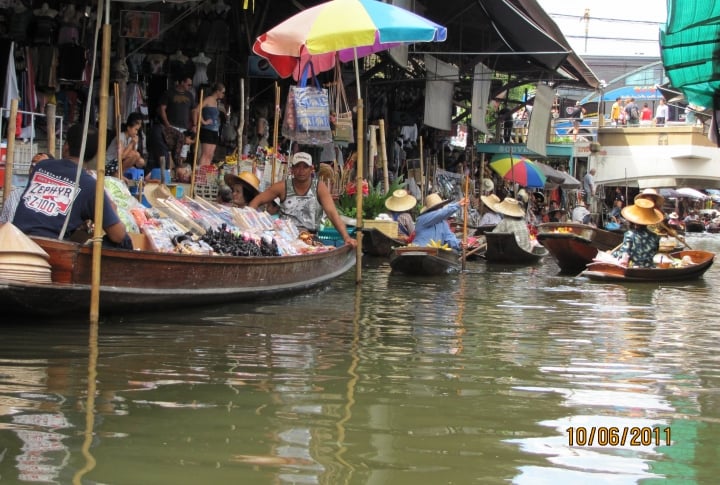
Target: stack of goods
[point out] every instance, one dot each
(21, 259)
(200, 227)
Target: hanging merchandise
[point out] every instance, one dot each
(343, 132)
(307, 112)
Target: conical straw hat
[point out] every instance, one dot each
(13, 240)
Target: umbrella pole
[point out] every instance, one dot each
(359, 173)
(383, 156)
(276, 122)
(10, 150)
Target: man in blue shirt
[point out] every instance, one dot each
(432, 224)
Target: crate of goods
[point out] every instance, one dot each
(207, 191)
(23, 154)
(389, 228)
(331, 237)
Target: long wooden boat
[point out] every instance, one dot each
(694, 226)
(424, 261)
(502, 247)
(377, 243)
(701, 262)
(574, 245)
(135, 281)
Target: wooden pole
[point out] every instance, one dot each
(116, 86)
(198, 124)
(422, 174)
(10, 154)
(50, 114)
(383, 156)
(358, 187)
(100, 184)
(276, 124)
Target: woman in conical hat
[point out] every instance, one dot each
(514, 222)
(432, 224)
(245, 187)
(400, 203)
(640, 244)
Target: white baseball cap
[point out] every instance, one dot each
(301, 157)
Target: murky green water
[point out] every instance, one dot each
(473, 378)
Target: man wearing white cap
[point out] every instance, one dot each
(303, 198)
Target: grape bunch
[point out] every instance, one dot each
(226, 242)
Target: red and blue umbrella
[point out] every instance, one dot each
(519, 170)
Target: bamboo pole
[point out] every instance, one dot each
(198, 124)
(383, 156)
(422, 174)
(10, 154)
(50, 120)
(100, 184)
(465, 216)
(276, 124)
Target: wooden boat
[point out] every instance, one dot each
(503, 248)
(424, 261)
(701, 262)
(377, 243)
(694, 226)
(574, 245)
(134, 281)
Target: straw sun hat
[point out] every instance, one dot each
(510, 207)
(246, 179)
(400, 201)
(643, 212)
(491, 201)
(434, 202)
(488, 185)
(651, 194)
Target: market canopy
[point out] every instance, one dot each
(689, 45)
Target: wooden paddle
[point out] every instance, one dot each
(674, 234)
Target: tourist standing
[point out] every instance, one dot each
(210, 123)
(661, 113)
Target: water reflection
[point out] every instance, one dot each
(471, 378)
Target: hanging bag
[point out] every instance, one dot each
(307, 112)
(343, 132)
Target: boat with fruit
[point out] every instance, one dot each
(682, 265)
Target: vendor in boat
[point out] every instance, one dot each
(303, 198)
(639, 243)
(580, 213)
(556, 215)
(490, 215)
(245, 187)
(13, 199)
(400, 203)
(514, 222)
(45, 203)
(432, 223)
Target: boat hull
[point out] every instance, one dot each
(135, 281)
(377, 243)
(503, 248)
(573, 246)
(423, 261)
(613, 272)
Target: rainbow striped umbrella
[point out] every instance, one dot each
(519, 170)
(348, 29)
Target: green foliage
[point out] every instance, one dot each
(373, 203)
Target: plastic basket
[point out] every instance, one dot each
(23, 154)
(331, 237)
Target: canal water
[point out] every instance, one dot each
(500, 374)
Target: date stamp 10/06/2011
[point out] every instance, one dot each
(614, 436)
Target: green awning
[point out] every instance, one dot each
(690, 49)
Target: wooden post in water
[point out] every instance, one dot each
(276, 124)
(422, 174)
